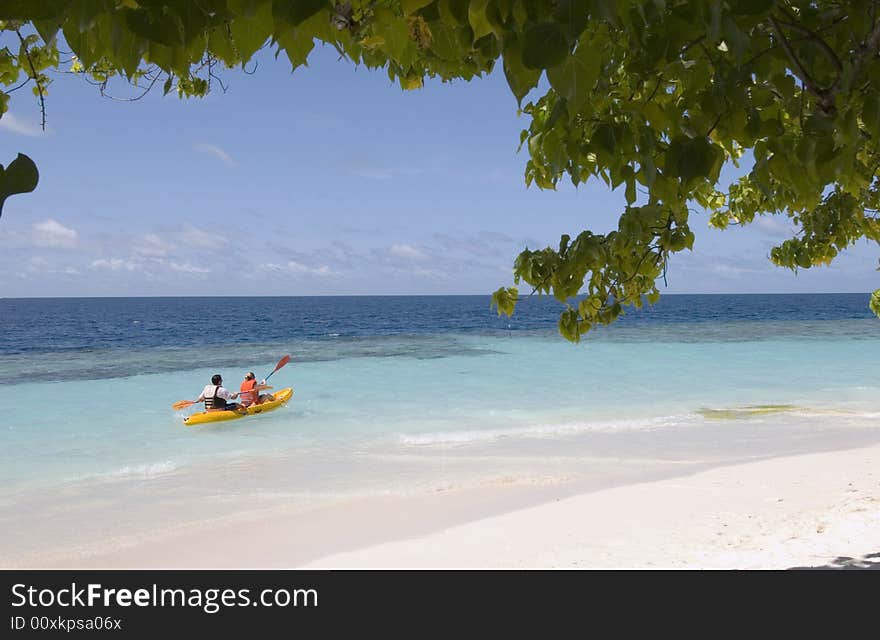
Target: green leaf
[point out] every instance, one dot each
(544, 46)
(751, 7)
(32, 9)
(445, 41)
(520, 79)
(574, 79)
(574, 14)
(874, 304)
(479, 19)
(504, 300)
(693, 158)
(248, 35)
(48, 29)
(568, 325)
(411, 6)
(245, 8)
(398, 45)
(520, 12)
(162, 27)
(453, 12)
(871, 114)
(605, 138)
(606, 10)
(21, 176)
(630, 190)
(297, 12)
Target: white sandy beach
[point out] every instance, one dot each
(811, 510)
(805, 511)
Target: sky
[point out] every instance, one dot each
(326, 181)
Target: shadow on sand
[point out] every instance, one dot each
(870, 561)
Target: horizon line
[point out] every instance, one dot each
(417, 295)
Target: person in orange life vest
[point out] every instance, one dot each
(250, 391)
(215, 396)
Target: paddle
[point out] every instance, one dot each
(280, 364)
(182, 404)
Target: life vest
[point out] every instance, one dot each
(248, 392)
(214, 402)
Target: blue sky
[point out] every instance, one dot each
(330, 180)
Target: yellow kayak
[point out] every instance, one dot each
(206, 417)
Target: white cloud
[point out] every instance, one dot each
(430, 273)
(186, 267)
(152, 245)
(406, 251)
(52, 233)
(483, 244)
(298, 268)
(16, 125)
(38, 265)
(11, 239)
(191, 236)
(732, 271)
(146, 265)
(773, 226)
(215, 151)
(114, 264)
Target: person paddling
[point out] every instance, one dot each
(216, 397)
(250, 391)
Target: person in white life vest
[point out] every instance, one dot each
(217, 398)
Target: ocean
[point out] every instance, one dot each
(400, 396)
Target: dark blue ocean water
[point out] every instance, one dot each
(72, 324)
(95, 338)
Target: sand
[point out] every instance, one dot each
(816, 510)
(812, 510)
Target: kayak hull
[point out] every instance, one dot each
(208, 417)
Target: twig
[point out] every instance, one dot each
(708, 53)
(715, 124)
(40, 90)
(693, 42)
(19, 86)
(136, 98)
(212, 75)
(654, 92)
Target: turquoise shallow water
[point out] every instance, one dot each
(91, 449)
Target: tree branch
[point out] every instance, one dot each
(869, 46)
(715, 124)
(826, 98)
(828, 51)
